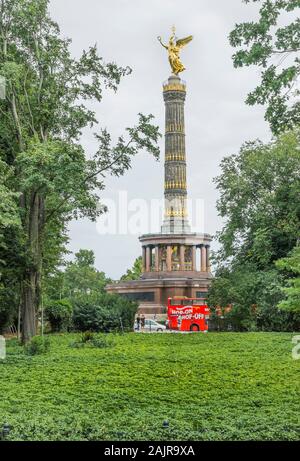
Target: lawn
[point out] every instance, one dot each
(219, 386)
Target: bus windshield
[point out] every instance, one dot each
(187, 302)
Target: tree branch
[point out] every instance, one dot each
(28, 105)
(17, 120)
(285, 51)
(91, 176)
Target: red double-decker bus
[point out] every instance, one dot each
(188, 314)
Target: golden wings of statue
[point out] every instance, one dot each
(174, 47)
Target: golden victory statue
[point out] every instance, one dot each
(174, 47)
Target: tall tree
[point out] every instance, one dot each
(135, 272)
(260, 203)
(9, 216)
(291, 265)
(43, 116)
(273, 44)
(9, 251)
(81, 277)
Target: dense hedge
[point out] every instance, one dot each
(104, 313)
(8, 307)
(59, 315)
(271, 319)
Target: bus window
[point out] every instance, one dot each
(175, 302)
(199, 302)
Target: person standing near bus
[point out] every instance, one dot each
(138, 321)
(179, 321)
(143, 322)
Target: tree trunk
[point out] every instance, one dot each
(31, 293)
(28, 307)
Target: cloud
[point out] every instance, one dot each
(217, 119)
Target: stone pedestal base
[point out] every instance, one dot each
(174, 265)
(152, 293)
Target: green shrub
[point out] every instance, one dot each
(37, 345)
(249, 325)
(101, 341)
(59, 315)
(5, 318)
(88, 338)
(8, 307)
(104, 313)
(77, 344)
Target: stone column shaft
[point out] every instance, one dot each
(207, 259)
(144, 258)
(182, 255)
(175, 158)
(169, 258)
(157, 262)
(148, 259)
(203, 258)
(194, 261)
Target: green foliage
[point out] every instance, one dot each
(249, 389)
(9, 217)
(82, 286)
(9, 228)
(291, 264)
(274, 48)
(91, 339)
(87, 336)
(82, 278)
(59, 313)
(8, 306)
(255, 297)
(11, 259)
(38, 345)
(259, 199)
(135, 272)
(104, 313)
(48, 178)
(101, 341)
(221, 292)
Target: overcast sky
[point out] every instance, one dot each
(218, 121)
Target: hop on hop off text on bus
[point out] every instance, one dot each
(188, 314)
